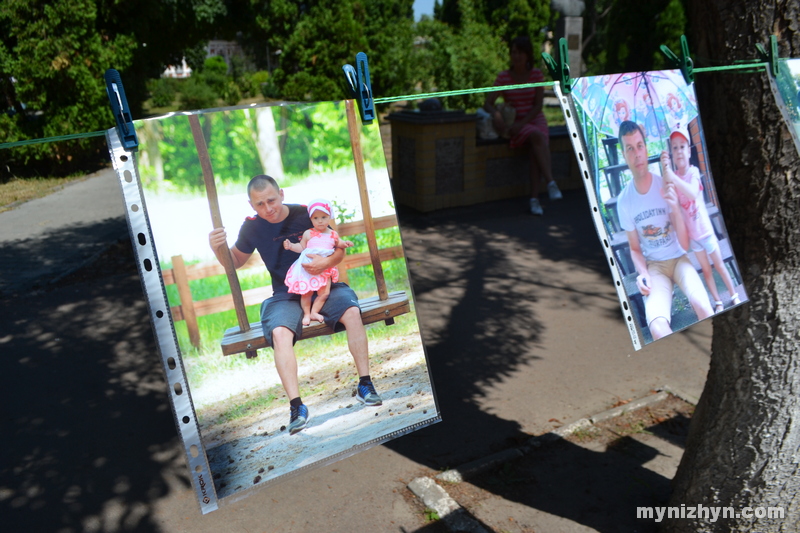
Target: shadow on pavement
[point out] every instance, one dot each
(89, 440)
(477, 297)
(31, 263)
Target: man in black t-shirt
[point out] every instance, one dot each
(281, 314)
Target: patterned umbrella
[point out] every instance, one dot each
(658, 100)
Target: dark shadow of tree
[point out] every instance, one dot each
(32, 263)
(477, 303)
(479, 306)
(89, 440)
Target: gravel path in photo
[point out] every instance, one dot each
(257, 449)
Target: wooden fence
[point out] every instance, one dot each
(190, 309)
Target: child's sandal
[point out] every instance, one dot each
(735, 299)
(718, 306)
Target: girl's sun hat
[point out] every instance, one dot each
(320, 204)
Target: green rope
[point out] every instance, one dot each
(460, 92)
(753, 66)
(750, 67)
(53, 139)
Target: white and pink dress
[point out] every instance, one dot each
(298, 279)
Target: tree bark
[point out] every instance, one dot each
(743, 447)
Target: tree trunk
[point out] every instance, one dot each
(267, 142)
(743, 448)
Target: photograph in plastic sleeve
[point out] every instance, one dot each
(659, 213)
(240, 393)
(786, 86)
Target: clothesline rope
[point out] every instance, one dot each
(385, 100)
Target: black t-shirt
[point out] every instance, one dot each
(267, 237)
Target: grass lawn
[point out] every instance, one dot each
(18, 191)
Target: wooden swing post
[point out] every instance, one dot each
(383, 307)
(216, 220)
(354, 128)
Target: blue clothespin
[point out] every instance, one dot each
(358, 85)
(770, 56)
(560, 71)
(684, 63)
(121, 110)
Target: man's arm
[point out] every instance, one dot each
(639, 263)
(218, 240)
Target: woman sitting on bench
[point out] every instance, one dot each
(530, 125)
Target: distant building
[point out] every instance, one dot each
(226, 49)
(177, 71)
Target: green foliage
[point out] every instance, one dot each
(162, 92)
(317, 140)
(470, 57)
(215, 66)
(229, 137)
(389, 31)
(261, 83)
(626, 35)
(57, 59)
(326, 36)
(197, 94)
(670, 25)
(56, 53)
(215, 74)
(231, 93)
(430, 515)
(506, 18)
(196, 56)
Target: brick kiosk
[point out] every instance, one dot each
(438, 162)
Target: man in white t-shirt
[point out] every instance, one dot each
(650, 215)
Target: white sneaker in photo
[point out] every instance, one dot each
(536, 207)
(552, 190)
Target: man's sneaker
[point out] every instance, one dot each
(536, 207)
(367, 395)
(552, 190)
(298, 418)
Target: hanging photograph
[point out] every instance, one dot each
(290, 338)
(656, 210)
(786, 87)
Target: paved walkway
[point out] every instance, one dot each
(51, 236)
(522, 330)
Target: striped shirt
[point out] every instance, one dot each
(522, 102)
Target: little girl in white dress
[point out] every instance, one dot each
(320, 240)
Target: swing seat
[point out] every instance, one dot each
(373, 310)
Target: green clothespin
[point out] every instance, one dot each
(560, 71)
(684, 63)
(770, 57)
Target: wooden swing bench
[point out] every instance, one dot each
(373, 310)
(249, 337)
